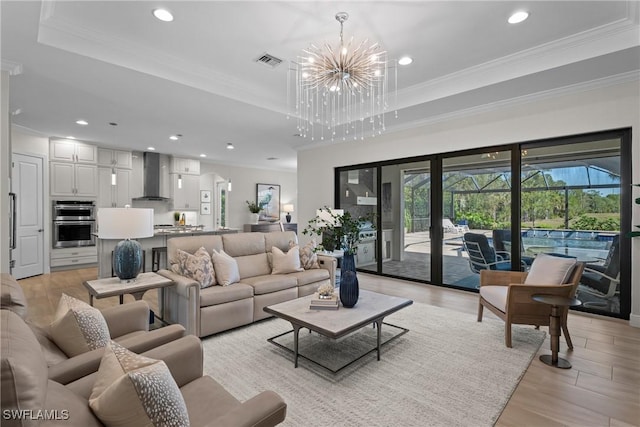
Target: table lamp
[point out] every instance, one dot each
(126, 223)
(288, 209)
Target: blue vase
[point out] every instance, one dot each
(349, 289)
(127, 259)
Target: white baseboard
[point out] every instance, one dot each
(634, 320)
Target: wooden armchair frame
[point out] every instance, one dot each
(520, 308)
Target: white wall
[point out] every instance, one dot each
(5, 171)
(244, 182)
(599, 109)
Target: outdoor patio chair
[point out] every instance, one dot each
(507, 294)
(450, 227)
(603, 280)
(482, 256)
(502, 243)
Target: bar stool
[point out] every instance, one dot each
(156, 255)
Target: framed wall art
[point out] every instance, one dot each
(268, 199)
(205, 196)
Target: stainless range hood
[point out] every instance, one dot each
(151, 178)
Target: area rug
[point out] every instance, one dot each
(448, 370)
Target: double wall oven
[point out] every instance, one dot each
(74, 223)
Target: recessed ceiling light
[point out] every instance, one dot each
(151, 148)
(230, 146)
(203, 155)
(163, 15)
(113, 123)
(405, 60)
(272, 158)
(174, 137)
(518, 17)
(70, 137)
(82, 122)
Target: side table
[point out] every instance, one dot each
(555, 323)
(112, 286)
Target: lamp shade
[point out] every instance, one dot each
(288, 208)
(125, 223)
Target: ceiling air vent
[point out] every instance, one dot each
(269, 60)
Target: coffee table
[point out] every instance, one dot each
(371, 309)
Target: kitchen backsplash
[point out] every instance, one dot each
(163, 215)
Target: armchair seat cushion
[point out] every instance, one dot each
(496, 296)
(271, 283)
(223, 294)
(198, 396)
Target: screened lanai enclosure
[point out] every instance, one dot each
(568, 202)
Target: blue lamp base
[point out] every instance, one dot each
(127, 259)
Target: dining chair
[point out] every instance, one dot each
(507, 294)
(502, 243)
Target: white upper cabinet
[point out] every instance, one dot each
(117, 158)
(184, 166)
(75, 180)
(65, 150)
(185, 191)
(110, 195)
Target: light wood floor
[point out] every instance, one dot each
(602, 388)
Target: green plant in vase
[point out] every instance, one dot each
(338, 230)
(253, 207)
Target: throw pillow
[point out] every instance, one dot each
(284, 263)
(308, 255)
(77, 327)
(133, 390)
(226, 268)
(550, 270)
(197, 267)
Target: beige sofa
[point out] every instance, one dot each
(217, 308)
(29, 398)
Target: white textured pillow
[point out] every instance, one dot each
(286, 263)
(133, 390)
(77, 327)
(226, 268)
(197, 267)
(550, 270)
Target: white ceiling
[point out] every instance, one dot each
(112, 61)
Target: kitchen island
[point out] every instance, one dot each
(159, 240)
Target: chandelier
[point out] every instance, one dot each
(340, 93)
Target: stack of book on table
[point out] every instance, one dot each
(318, 303)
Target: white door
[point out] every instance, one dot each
(27, 184)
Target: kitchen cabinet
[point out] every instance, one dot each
(113, 196)
(187, 197)
(65, 257)
(116, 158)
(65, 150)
(184, 166)
(73, 179)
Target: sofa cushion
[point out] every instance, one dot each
(308, 255)
(253, 265)
(226, 268)
(12, 297)
(496, 296)
(283, 263)
(52, 353)
(70, 408)
(281, 240)
(191, 244)
(311, 276)
(131, 389)
(224, 294)
(550, 270)
(77, 327)
(198, 267)
(242, 244)
(23, 367)
(271, 283)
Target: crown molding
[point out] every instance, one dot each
(631, 76)
(68, 35)
(618, 35)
